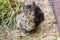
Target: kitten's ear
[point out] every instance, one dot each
(33, 3)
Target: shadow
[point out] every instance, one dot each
(39, 17)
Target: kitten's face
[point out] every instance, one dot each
(28, 9)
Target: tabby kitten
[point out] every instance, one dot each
(30, 18)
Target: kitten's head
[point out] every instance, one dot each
(29, 8)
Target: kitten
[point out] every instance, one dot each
(30, 18)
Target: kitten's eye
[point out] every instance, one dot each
(25, 10)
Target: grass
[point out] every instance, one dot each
(9, 9)
(9, 12)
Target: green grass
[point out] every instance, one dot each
(8, 11)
